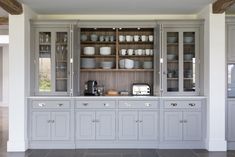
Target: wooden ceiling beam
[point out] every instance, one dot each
(13, 7)
(3, 21)
(220, 6)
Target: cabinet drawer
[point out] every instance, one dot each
(51, 104)
(183, 104)
(95, 104)
(138, 104)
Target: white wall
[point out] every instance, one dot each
(19, 52)
(5, 76)
(214, 78)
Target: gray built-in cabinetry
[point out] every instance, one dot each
(230, 36)
(64, 118)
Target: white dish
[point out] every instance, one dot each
(129, 64)
(89, 50)
(105, 50)
(106, 64)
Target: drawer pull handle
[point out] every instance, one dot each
(137, 121)
(41, 104)
(85, 104)
(192, 104)
(93, 121)
(185, 121)
(60, 105)
(106, 104)
(141, 121)
(147, 104)
(53, 121)
(181, 121)
(48, 121)
(173, 104)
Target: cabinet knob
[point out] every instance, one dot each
(41, 104)
(48, 121)
(181, 121)
(137, 121)
(53, 121)
(185, 121)
(141, 121)
(93, 121)
(192, 104)
(85, 104)
(173, 104)
(106, 104)
(60, 105)
(147, 104)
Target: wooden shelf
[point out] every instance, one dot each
(189, 43)
(61, 43)
(44, 44)
(98, 56)
(175, 44)
(98, 42)
(116, 70)
(173, 61)
(174, 78)
(135, 56)
(61, 79)
(188, 78)
(136, 42)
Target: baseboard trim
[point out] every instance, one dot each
(216, 145)
(17, 146)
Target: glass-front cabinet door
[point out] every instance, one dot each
(52, 62)
(180, 61)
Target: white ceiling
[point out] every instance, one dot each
(116, 6)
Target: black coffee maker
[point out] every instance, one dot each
(91, 88)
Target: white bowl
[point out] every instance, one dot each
(171, 39)
(105, 50)
(188, 39)
(89, 50)
(148, 65)
(129, 64)
(188, 56)
(122, 64)
(171, 56)
(106, 64)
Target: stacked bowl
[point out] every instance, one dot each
(88, 63)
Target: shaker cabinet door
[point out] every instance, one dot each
(60, 126)
(231, 121)
(173, 125)
(128, 125)
(231, 45)
(192, 126)
(105, 125)
(41, 125)
(85, 125)
(148, 125)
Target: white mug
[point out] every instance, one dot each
(139, 52)
(123, 52)
(150, 38)
(129, 38)
(144, 38)
(121, 38)
(136, 38)
(147, 52)
(151, 52)
(130, 51)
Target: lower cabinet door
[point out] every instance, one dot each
(192, 126)
(41, 126)
(85, 125)
(231, 120)
(148, 125)
(105, 125)
(173, 126)
(128, 125)
(60, 129)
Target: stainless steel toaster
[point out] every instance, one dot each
(141, 89)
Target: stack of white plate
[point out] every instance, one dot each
(105, 50)
(88, 63)
(89, 50)
(148, 65)
(106, 65)
(126, 64)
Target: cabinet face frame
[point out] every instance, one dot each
(53, 32)
(180, 31)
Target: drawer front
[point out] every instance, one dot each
(51, 104)
(95, 104)
(182, 104)
(138, 104)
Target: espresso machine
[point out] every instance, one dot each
(91, 88)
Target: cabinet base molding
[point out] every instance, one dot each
(51, 145)
(17, 145)
(231, 145)
(182, 145)
(117, 144)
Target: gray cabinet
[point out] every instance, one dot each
(180, 126)
(230, 43)
(95, 125)
(181, 60)
(41, 128)
(231, 120)
(138, 125)
(50, 126)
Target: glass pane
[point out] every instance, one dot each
(44, 62)
(172, 61)
(61, 61)
(189, 61)
(231, 80)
